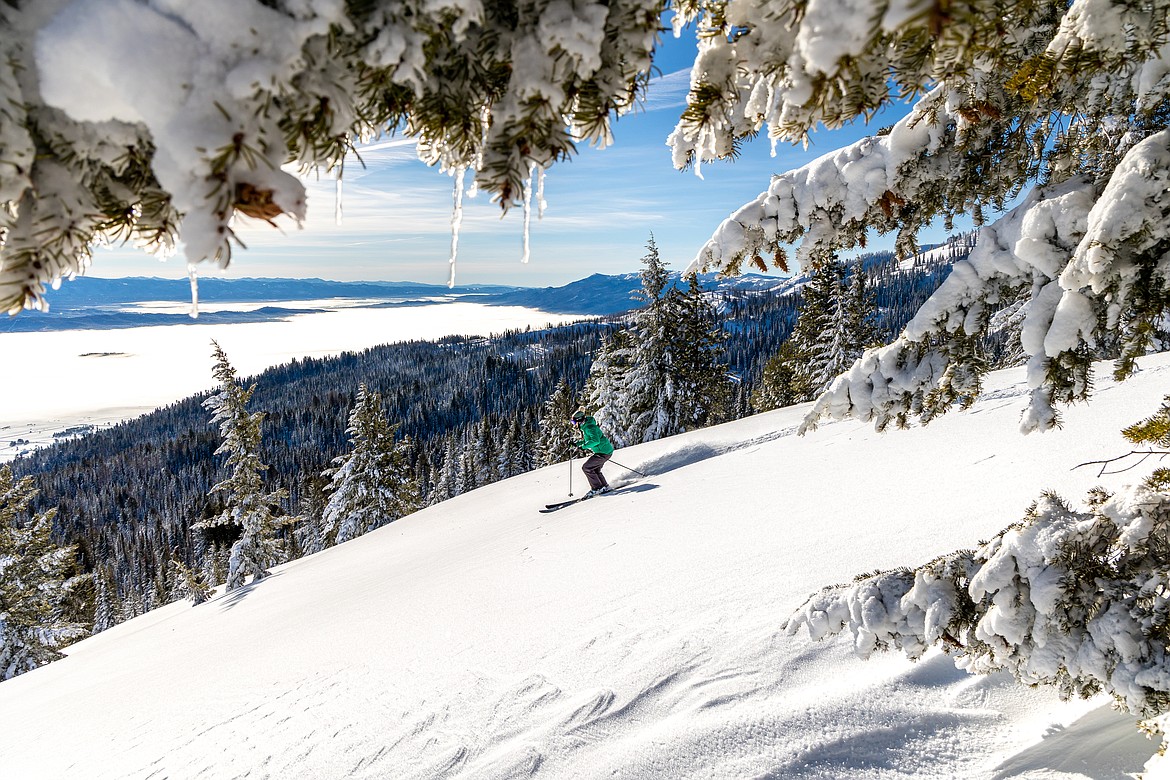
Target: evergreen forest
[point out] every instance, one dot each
(138, 500)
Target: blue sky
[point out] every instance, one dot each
(603, 206)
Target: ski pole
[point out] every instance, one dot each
(627, 468)
(570, 476)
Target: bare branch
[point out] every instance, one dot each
(1144, 455)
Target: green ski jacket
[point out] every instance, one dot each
(594, 440)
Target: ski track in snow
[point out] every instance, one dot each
(682, 723)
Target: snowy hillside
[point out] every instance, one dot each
(631, 636)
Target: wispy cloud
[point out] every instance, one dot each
(668, 91)
(392, 143)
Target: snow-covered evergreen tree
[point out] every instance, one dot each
(525, 458)
(105, 602)
(131, 606)
(819, 338)
(215, 563)
(741, 400)
(188, 583)
(861, 315)
(36, 583)
(702, 386)
(844, 335)
(516, 452)
(632, 382)
(309, 527)
(832, 330)
(446, 482)
(487, 453)
(557, 433)
(467, 465)
(247, 506)
(651, 382)
(372, 484)
(778, 386)
(606, 389)
(664, 374)
(424, 472)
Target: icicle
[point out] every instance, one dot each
(193, 275)
(337, 196)
(528, 210)
(704, 143)
(456, 221)
(541, 204)
(485, 124)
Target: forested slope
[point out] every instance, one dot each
(128, 495)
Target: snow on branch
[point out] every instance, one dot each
(158, 121)
(1064, 101)
(1079, 600)
(829, 203)
(933, 364)
(1092, 264)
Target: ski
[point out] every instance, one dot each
(571, 501)
(561, 504)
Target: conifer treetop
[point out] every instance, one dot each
(370, 484)
(246, 504)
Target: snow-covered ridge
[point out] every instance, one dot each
(632, 636)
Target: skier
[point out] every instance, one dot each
(594, 442)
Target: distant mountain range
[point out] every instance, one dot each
(89, 303)
(602, 295)
(88, 291)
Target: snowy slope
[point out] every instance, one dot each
(631, 636)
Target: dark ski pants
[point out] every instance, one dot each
(592, 469)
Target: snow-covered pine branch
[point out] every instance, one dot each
(1067, 98)
(156, 121)
(1155, 430)
(1079, 600)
